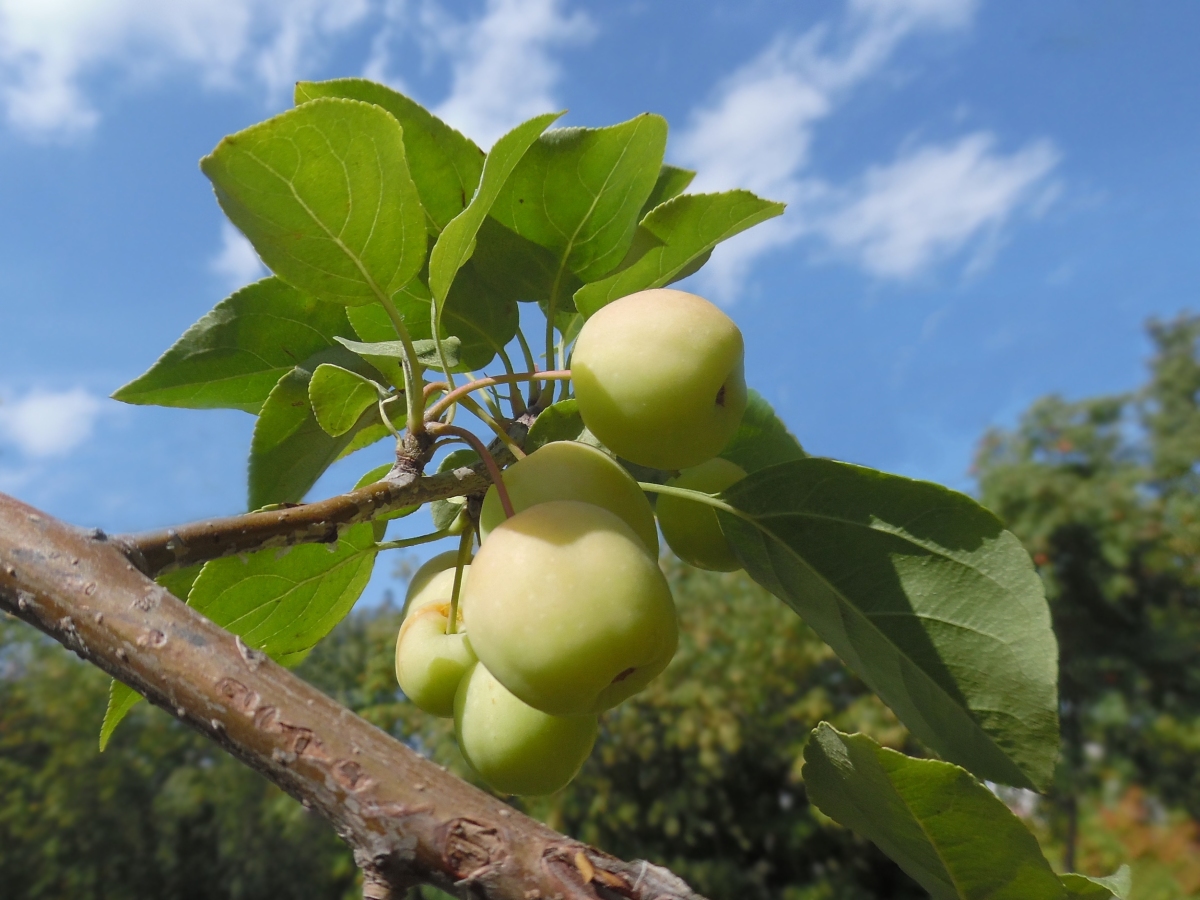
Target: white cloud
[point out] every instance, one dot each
(48, 47)
(503, 68)
(931, 201)
(49, 423)
(236, 262)
(757, 130)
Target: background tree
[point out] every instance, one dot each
(1105, 493)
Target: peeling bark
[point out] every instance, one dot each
(407, 819)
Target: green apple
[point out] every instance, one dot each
(433, 582)
(431, 567)
(569, 470)
(514, 747)
(430, 663)
(691, 529)
(659, 378)
(567, 610)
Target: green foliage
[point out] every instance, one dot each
(1104, 494)
(673, 238)
(339, 397)
(163, 814)
(290, 449)
(236, 353)
(879, 566)
(445, 165)
(761, 439)
(324, 194)
(578, 192)
(284, 601)
(381, 222)
(942, 826)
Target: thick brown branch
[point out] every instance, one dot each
(406, 818)
(165, 549)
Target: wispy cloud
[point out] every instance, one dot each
(236, 263)
(757, 130)
(504, 67)
(44, 424)
(931, 201)
(49, 47)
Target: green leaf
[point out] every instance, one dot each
(923, 593)
(121, 699)
(179, 582)
(236, 353)
(761, 439)
(672, 181)
(937, 823)
(290, 449)
(516, 268)
(457, 241)
(481, 321)
(387, 356)
(444, 164)
(339, 397)
(560, 422)
(1084, 887)
(444, 512)
(323, 193)
(578, 192)
(284, 601)
(672, 237)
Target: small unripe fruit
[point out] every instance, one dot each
(659, 378)
(569, 470)
(430, 663)
(431, 567)
(514, 747)
(691, 529)
(437, 589)
(566, 609)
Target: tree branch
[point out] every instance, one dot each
(407, 820)
(165, 549)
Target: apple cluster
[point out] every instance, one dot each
(564, 611)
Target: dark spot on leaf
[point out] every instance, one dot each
(520, 199)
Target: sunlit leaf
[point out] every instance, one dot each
(761, 439)
(923, 593)
(284, 601)
(324, 194)
(444, 164)
(674, 235)
(940, 825)
(236, 353)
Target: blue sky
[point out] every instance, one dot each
(986, 201)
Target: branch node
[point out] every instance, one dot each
(254, 658)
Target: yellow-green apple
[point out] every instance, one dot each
(569, 470)
(430, 568)
(659, 378)
(690, 528)
(436, 587)
(567, 610)
(430, 663)
(514, 747)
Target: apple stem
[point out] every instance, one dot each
(464, 550)
(478, 446)
(457, 394)
(412, 541)
(712, 500)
